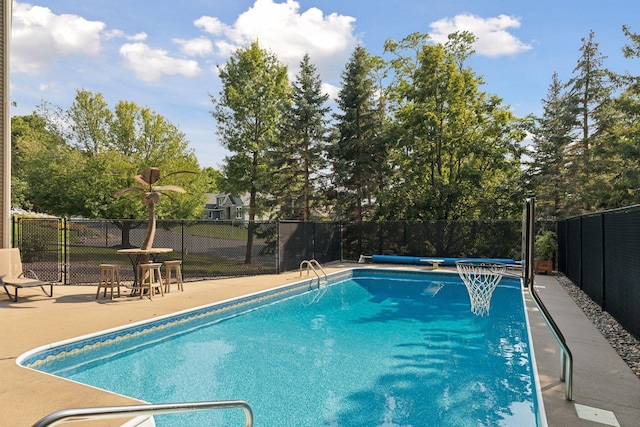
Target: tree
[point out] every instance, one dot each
(618, 184)
(299, 151)
(32, 149)
(457, 148)
(591, 90)
(76, 171)
(551, 138)
(248, 113)
(90, 121)
(358, 151)
(213, 178)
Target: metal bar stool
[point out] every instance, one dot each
(150, 278)
(109, 277)
(174, 266)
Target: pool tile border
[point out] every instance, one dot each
(49, 353)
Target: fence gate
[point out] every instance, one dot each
(41, 246)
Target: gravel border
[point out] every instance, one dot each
(625, 344)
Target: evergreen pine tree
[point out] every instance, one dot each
(590, 91)
(357, 150)
(299, 154)
(551, 138)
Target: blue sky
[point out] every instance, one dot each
(163, 54)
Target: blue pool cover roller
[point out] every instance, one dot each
(397, 259)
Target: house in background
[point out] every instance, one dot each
(225, 207)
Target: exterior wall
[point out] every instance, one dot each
(224, 207)
(5, 126)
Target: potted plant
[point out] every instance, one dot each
(546, 244)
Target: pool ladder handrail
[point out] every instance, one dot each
(110, 412)
(311, 265)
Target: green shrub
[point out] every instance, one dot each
(546, 244)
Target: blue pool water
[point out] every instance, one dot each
(377, 349)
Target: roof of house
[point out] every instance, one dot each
(229, 200)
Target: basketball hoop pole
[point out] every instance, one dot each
(528, 233)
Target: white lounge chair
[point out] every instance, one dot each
(12, 274)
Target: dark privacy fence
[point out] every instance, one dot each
(600, 253)
(69, 251)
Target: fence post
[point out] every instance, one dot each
(277, 248)
(182, 246)
(603, 277)
(65, 250)
(341, 237)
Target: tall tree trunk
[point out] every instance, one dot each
(307, 186)
(248, 258)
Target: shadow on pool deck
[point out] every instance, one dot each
(601, 379)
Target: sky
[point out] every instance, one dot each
(164, 54)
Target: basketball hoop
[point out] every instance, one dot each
(480, 278)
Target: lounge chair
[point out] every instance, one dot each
(12, 274)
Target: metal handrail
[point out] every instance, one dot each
(109, 412)
(311, 265)
(566, 363)
(566, 368)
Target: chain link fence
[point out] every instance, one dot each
(41, 245)
(214, 249)
(456, 239)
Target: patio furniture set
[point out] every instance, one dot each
(148, 278)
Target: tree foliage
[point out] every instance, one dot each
(357, 152)
(456, 148)
(595, 164)
(618, 183)
(74, 161)
(298, 156)
(249, 114)
(590, 91)
(548, 169)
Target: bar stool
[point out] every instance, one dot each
(175, 267)
(109, 277)
(150, 278)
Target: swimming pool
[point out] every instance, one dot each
(375, 347)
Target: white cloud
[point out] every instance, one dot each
(149, 64)
(289, 33)
(111, 34)
(137, 37)
(331, 90)
(39, 37)
(200, 46)
(493, 36)
(210, 25)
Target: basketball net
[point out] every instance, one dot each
(480, 279)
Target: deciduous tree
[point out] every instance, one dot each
(248, 113)
(92, 152)
(457, 148)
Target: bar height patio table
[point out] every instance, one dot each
(137, 254)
